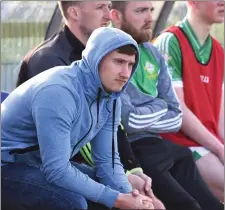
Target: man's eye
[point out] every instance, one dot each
(119, 61)
(100, 7)
(140, 11)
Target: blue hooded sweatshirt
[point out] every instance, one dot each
(48, 119)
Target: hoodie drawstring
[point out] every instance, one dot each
(113, 126)
(98, 100)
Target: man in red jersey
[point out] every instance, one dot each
(196, 62)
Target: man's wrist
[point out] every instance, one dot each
(216, 149)
(118, 200)
(134, 171)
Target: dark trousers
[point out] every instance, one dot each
(175, 177)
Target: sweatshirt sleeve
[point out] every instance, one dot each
(54, 111)
(101, 147)
(172, 120)
(140, 111)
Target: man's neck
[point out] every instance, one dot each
(200, 27)
(78, 34)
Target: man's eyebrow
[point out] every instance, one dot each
(125, 60)
(142, 8)
(132, 63)
(145, 8)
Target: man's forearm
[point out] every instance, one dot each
(193, 128)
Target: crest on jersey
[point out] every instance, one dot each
(151, 70)
(149, 67)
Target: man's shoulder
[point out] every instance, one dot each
(153, 52)
(151, 49)
(51, 47)
(56, 79)
(217, 43)
(165, 40)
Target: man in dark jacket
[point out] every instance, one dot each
(81, 18)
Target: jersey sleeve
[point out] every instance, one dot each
(168, 45)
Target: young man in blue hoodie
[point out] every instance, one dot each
(63, 109)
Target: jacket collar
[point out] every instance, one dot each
(76, 44)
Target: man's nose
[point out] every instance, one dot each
(107, 14)
(149, 16)
(126, 72)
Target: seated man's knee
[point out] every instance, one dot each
(25, 187)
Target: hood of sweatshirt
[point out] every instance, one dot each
(103, 41)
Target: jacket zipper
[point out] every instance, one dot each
(86, 133)
(89, 128)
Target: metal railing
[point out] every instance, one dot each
(23, 26)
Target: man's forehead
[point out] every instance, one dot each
(129, 58)
(95, 3)
(140, 4)
(102, 2)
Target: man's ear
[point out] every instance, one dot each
(74, 12)
(116, 17)
(193, 4)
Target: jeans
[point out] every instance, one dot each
(175, 177)
(24, 187)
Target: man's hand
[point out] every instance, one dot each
(129, 201)
(138, 184)
(142, 183)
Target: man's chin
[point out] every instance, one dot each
(145, 37)
(117, 90)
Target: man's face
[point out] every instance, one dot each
(137, 20)
(115, 70)
(94, 14)
(211, 11)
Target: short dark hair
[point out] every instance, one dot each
(127, 49)
(64, 5)
(119, 5)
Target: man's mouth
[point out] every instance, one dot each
(121, 81)
(105, 24)
(147, 27)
